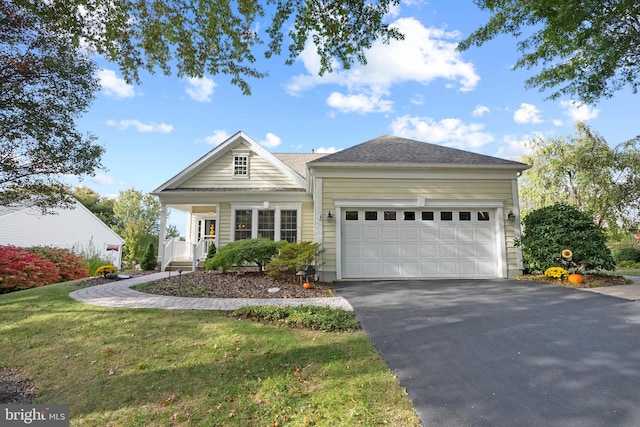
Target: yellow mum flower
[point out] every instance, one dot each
(567, 253)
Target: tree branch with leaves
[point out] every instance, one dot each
(588, 49)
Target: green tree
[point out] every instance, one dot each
(150, 258)
(218, 36)
(138, 222)
(587, 49)
(100, 206)
(550, 230)
(582, 170)
(45, 85)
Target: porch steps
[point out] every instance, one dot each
(184, 265)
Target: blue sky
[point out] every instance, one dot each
(419, 88)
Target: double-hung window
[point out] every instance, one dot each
(273, 222)
(240, 164)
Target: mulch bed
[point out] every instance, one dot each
(237, 284)
(234, 285)
(590, 281)
(16, 387)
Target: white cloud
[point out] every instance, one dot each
(102, 179)
(558, 122)
(218, 137)
(271, 141)
(578, 111)
(480, 111)
(516, 146)
(417, 99)
(527, 113)
(425, 55)
(200, 89)
(449, 132)
(360, 103)
(114, 86)
(141, 127)
(327, 150)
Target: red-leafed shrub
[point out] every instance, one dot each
(69, 265)
(22, 269)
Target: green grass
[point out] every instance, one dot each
(628, 271)
(143, 367)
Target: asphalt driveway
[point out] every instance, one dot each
(505, 352)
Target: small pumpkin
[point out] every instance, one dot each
(306, 285)
(575, 278)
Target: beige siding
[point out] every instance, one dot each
(219, 174)
(224, 226)
(307, 222)
(335, 188)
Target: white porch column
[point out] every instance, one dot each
(163, 233)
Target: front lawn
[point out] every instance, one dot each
(143, 367)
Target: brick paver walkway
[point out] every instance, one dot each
(119, 294)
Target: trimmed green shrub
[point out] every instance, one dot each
(243, 252)
(626, 254)
(69, 265)
(293, 257)
(150, 258)
(550, 230)
(309, 317)
(211, 251)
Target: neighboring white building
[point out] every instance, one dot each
(76, 229)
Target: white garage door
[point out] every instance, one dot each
(398, 243)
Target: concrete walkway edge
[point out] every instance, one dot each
(120, 294)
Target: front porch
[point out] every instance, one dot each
(188, 253)
(185, 256)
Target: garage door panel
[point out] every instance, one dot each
(352, 269)
(447, 233)
(391, 269)
(467, 268)
(408, 251)
(428, 250)
(411, 269)
(390, 233)
(429, 269)
(466, 233)
(409, 233)
(447, 250)
(467, 251)
(372, 269)
(391, 250)
(486, 268)
(352, 250)
(484, 233)
(428, 233)
(371, 251)
(431, 245)
(371, 233)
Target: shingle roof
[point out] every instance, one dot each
(393, 149)
(298, 161)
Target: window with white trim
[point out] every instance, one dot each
(241, 164)
(289, 225)
(266, 224)
(275, 222)
(243, 224)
